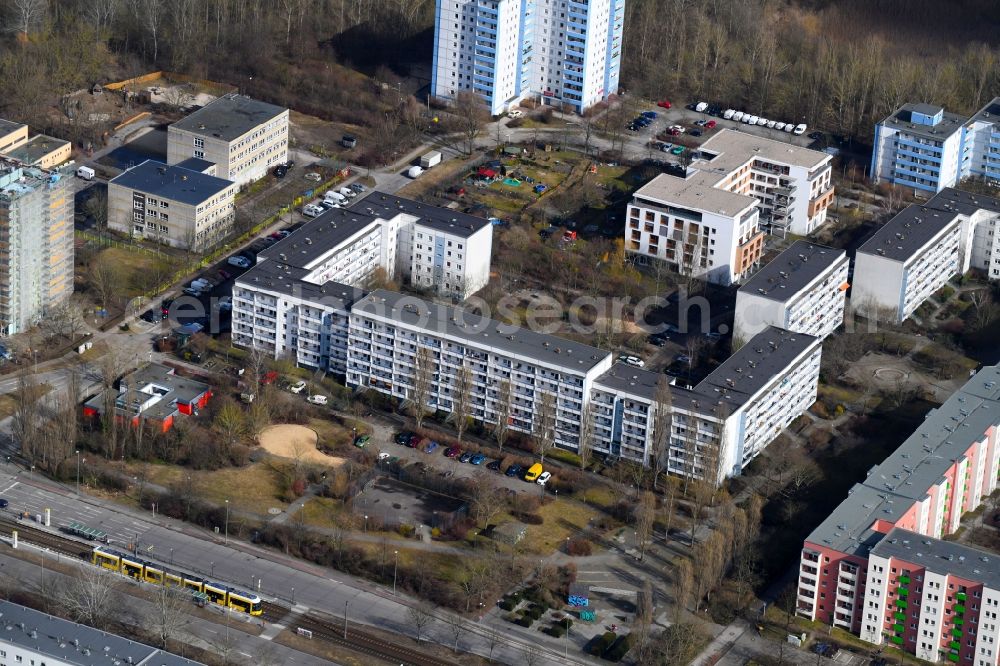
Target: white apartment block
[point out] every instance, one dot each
(921, 248)
(295, 302)
(173, 205)
(722, 423)
(927, 149)
(36, 232)
(34, 638)
(793, 185)
(388, 328)
(242, 136)
(804, 290)
(564, 52)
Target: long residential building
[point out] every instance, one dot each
(877, 566)
(923, 247)
(39, 639)
(722, 423)
(711, 223)
(36, 242)
(558, 52)
(804, 289)
(242, 136)
(927, 149)
(174, 205)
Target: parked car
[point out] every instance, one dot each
(223, 274)
(494, 465)
(465, 457)
(238, 261)
(658, 339)
(478, 459)
(361, 440)
(151, 316)
(543, 478)
(515, 113)
(800, 129)
(225, 303)
(677, 150)
(358, 187)
(711, 124)
(297, 387)
(430, 446)
(664, 104)
(514, 470)
(402, 438)
(191, 291)
(452, 452)
(165, 306)
(312, 210)
(652, 115)
(533, 473)
(695, 132)
(313, 176)
(317, 399)
(348, 193)
(280, 171)
(202, 284)
(632, 360)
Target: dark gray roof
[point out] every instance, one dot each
(8, 126)
(792, 270)
(35, 148)
(447, 320)
(989, 113)
(447, 220)
(195, 164)
(630, 379)
(317, 237)
(290, 280)
(179, 389)
(229, 117)
(904, 477)
(950, 122)
(913, 227)
(173, 182)
(74, 643)
(941, 557)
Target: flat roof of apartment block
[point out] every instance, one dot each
(792, 270)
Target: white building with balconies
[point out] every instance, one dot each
(804, 289)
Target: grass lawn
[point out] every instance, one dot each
(253, 488)
(563, 518)
(8, 401)
(334, 435)
(138, 267)
(323, 512)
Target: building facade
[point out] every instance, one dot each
(804, 290)
(923, 247)
(36, 638)
(562, 52)
(155, 395)
(173, 205)
(893, 522)
(242, 136)
(36, 242)
(927, 149)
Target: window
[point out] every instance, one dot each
(164, 204)
(199, 142)
(200, 154)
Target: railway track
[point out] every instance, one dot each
(320, 628)
(363, 642)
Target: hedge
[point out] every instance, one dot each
(600, 644)
(619, 649)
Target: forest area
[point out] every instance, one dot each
(839, 64)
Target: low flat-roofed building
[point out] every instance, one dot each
(803, 289)
(34, 637)
(12, 135)
(154, 395)
(173, 205)
(243, 137)
(42, 151)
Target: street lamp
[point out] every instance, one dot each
(395, 563)
(227, 522)
(366, 524)
(346, 601)
(78, 472)
(212, 566)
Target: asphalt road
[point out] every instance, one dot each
(244, 565)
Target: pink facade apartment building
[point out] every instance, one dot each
(944, 469)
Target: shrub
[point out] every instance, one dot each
(562, 455)
(600, 644)
(579, 547)
(529, 518)
(536, 611)
(619, 649)
(557, 630)
(508, 604)
(525, 621)
(406, 530)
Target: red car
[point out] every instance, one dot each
(673, 132)
(452, 452)
(663, 104)
(224, 274)
(710, 124)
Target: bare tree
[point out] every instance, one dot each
(586, 443)
(982, 302)
(461, 400)
(683, 586)
(91, 597)
(25, 422)
(532, 655)
(231, 423)
(493, 638)
(545, 424)
(488, 500)
(504, 411)
(168, 613)
(645, 517)
(663, 411)
(456, 625)
(471, 115)
(27, 15)
(420, 618)
(420, 394)
(104, 277)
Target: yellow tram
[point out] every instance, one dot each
(147, 572)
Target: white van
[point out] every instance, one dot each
(700, 107)
(728, 114)
(800, 129)
(86, 173)
(312, 210)
(335, 197)
(738, 116)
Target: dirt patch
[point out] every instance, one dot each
(295, 442)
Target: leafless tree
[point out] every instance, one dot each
(101, 13)
(545, 424)
(231, 423)
(461, 400)
(456, 625)
(471, 115)
(25, 421)
(27, 15)
(493, 638)
(168, 613)
(683, 587)
(420, 394)
(663, 411)
(985, 312)
(586, 440)
(645, 517)
(420, 618)
(532, 655)
(104, 277)
(91, 597)
(504, 411)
